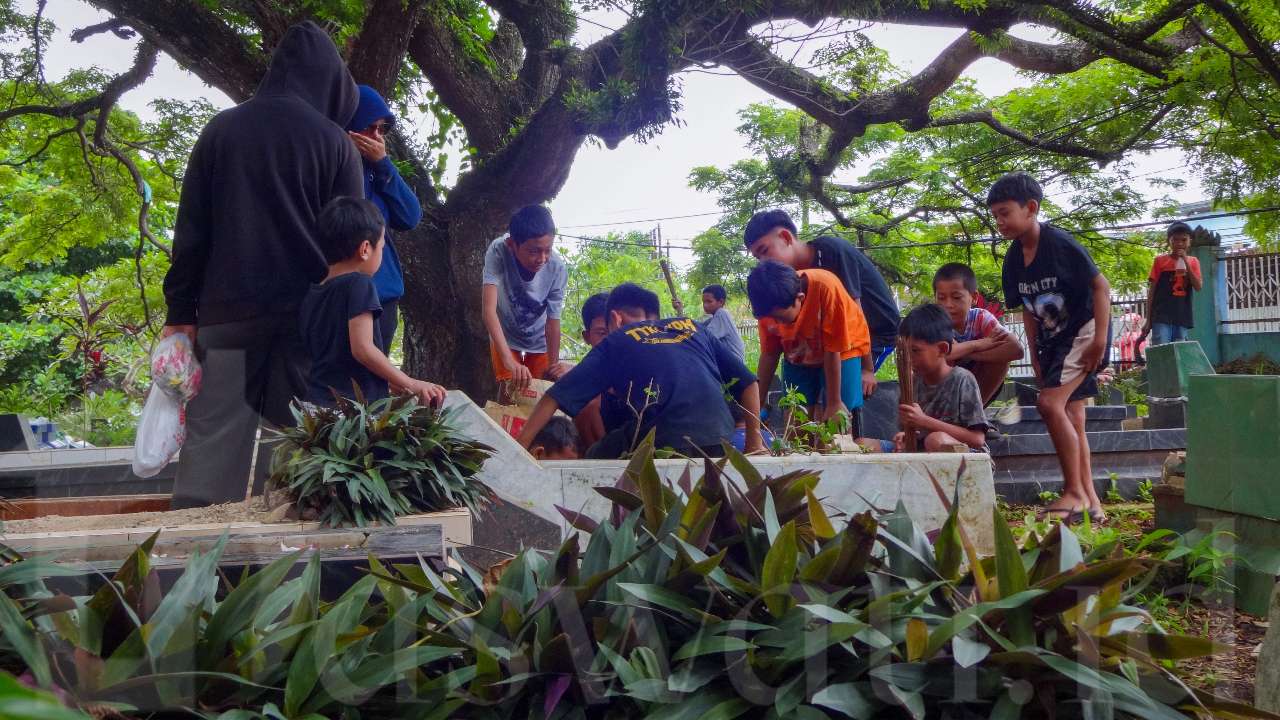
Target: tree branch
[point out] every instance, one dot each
(379, 50)
(464, 84)
(1259, 48)
(115, 26)
(199, 40)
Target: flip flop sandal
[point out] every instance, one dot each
(1097, 516)
(1056, 513)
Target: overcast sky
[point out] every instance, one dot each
(606, 188)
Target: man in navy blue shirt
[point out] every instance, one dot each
(671, 373)
(393, 196)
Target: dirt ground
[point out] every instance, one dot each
(1232, 674)
(235, 512)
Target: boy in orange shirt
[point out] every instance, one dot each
(808, 317)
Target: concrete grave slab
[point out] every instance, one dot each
(848, 481)
(1170, 367)
(1233, 444)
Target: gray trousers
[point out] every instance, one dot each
(252, 370)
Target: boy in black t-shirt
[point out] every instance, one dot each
(1066, 310)
(770, 235)
(672, 375)
(339, 316)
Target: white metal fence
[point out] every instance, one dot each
(1128, 314)
(1252, 289)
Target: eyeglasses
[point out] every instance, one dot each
(383, 128)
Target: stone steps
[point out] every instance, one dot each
(1026, 465)
(1098, 418)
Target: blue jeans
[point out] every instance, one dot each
(1162, 333)
(809, 380)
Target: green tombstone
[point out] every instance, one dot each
(1233, 444)
(1169, 366)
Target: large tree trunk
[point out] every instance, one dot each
(444, 338)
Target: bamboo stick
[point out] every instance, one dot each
(906, 391)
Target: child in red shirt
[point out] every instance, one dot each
(1169, 286)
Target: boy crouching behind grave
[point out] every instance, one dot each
(338, 319)
(558, 440)
(982, 345)
(808, 317)
(948, 407)
(670, 374)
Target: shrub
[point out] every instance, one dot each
(693, 600)
(356, 463)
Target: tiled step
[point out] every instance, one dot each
(1098, 418)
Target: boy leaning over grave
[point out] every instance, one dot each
(522, 297)
(339, 316)
(982, 345)
(1174, 277)
(808, 319)
(770, 235)
(1066, 310)
(948, 407)
(670, 374)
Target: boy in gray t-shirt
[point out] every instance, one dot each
(948, 405)
(523, 295)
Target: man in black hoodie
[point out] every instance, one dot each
(245, 253)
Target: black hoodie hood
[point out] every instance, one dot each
(307, 65)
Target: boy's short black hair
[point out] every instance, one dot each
(957, 271)
(345, 223)
(631, 298)
(529, 222)
(716, 292)
(557, 435)
(1178, 227)
(763, 223)
(772, 285)
(929, 323)
(1017, 186)
(596, 306)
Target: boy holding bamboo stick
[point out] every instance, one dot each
(946, 407)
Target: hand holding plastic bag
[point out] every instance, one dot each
(175, 379)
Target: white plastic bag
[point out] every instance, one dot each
(175, 379)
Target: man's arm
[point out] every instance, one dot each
(542, 413)
(750, 402)
(489, 315)
(553, 344)
(1101, 320)
(1032, 328)
(1193, 272)
(1151, 307)
(765, 368)
(914, 416)
(1001, 347)
(192, 236)
(404, 212)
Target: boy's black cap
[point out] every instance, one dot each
(1179, 227)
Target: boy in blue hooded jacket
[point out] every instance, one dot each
(383, 186)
